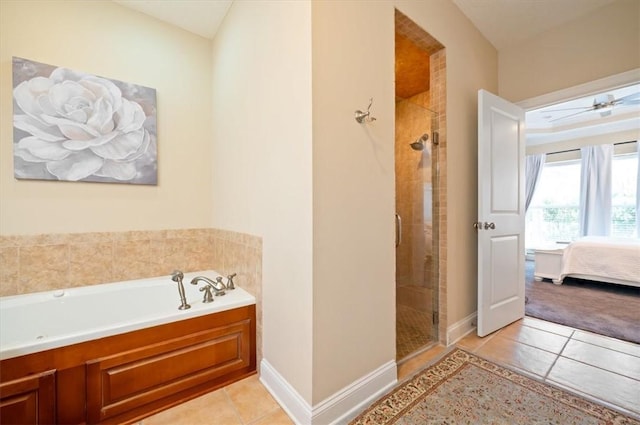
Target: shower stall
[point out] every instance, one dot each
(416, 150)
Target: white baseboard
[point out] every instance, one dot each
(287, 397)
(460, 329)
(339, 408)
(347, 403)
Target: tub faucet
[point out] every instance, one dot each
(177, 276)
(217, 286)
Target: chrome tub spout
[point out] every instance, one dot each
(217, 285)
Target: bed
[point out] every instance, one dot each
(612, 260)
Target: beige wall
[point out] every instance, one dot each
(106, 39)
(262, 165)
(600, 44)
(353, 192)
(323, 331)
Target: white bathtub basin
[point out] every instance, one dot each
(40, 321)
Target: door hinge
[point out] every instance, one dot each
(435, 318)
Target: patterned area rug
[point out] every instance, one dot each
(464, 389)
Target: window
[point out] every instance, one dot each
(554, 213)
(623, 204)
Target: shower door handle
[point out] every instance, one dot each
(398, 230)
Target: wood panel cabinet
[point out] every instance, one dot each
(123, 378)
(28, 400)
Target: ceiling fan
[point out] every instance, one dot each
(603, 103)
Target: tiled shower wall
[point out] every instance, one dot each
(437, 103)
(36, 263)
(413, 172)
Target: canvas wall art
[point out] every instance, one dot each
(73, 126)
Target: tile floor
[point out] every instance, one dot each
(600, 368)
(413, 330)
(603, 369)
(245, 402)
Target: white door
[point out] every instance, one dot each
(500, 225)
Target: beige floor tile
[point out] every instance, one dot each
(604, 385)
(471, 342)
(604, 358)
(547, 326)
(278, 417)
(521, 356)
(535, 337)
(411, 366)
(604, 341)
(213, 408)
(250, 398)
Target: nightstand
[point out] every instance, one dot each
(548, 263)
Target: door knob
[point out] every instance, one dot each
(489, 226)
(477, 225)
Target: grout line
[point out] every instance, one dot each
(546, 375)
(595, 344)
(233, 405)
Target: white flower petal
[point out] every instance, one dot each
(143, 149)
(71, 129)
(76, 145)
(59, 75)
(76, 167)
(101, 117)
(130, 116)
(25, 155)
(121, 147)
(44, 103)
(37, 128)
(43, 149)
(105, 89)
(77, 115)
(122, 171)
(26, 93)
(61, 95)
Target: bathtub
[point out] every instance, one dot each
(45, 320)
(119, 352)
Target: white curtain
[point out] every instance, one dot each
(532, 170)
(595, 190)
(638, 193)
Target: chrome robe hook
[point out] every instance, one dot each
(365, 116)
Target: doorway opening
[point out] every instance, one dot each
(562, 127)
(419, 160)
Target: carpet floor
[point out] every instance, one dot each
(603, 308)
(462, 388)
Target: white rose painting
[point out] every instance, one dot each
(72, 126)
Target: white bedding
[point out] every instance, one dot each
(603, 259)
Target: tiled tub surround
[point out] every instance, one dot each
(36, 263)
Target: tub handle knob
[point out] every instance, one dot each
(208, 295)
(220, 285)
(230, 285)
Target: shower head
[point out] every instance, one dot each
(419, 144)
